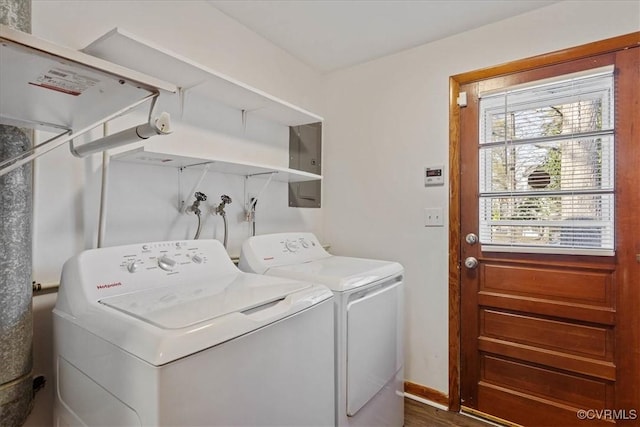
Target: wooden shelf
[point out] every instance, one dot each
(143, 156)
(46, 86)
(125, 49)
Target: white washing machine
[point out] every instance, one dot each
(369, 321)
(173, 334)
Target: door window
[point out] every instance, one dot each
(547, 166)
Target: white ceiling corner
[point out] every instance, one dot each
(333, 34)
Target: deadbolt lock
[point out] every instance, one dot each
(471, 239)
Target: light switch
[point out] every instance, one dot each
(433, 217)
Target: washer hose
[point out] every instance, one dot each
(226, 229)
(226, 200)
(197, 236)
(195, 208)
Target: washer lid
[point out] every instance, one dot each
(175, 307)
(339, 273)
(172, 322)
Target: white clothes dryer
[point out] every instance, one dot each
(172, 333)
(369, 321)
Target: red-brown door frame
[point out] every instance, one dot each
(570, 54)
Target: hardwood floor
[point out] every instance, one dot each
(417, 414)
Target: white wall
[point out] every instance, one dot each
(388, 119)
(385, 121)
(143, 199)
(67, 188)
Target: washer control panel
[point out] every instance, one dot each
(171, 257)
(115, 270)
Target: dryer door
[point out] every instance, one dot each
(374, 342)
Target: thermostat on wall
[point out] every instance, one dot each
(433, 175)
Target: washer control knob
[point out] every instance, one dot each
(304, 243)
(132, 267)
(166, 263)
(291, 246)
(197, 259)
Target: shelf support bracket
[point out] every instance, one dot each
(244, 121)
(183, 205)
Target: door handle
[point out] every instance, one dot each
(471, 239)
(471, 263)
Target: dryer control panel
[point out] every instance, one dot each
(296, 244)
(260, 253)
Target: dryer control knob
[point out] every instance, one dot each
(197, 259)
(304, 243)
(166, 263)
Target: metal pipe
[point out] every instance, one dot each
(16, 213)
(102, 215)
(44, 288)
(15, 283)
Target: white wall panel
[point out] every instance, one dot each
(388, 119)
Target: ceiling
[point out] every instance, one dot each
(333, 34)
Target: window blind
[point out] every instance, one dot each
(546, 158)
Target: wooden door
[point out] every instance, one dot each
(552, 339)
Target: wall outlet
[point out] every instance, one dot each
(433, 217)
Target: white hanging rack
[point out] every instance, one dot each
(50, 87)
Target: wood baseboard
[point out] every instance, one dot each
(426, 393)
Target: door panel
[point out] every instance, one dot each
(545, 383)
(578, 286)
(548, 289)
(372, 343)
(528, 409)
(544, 336)
(562, 336)
(560, 360)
